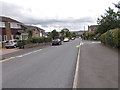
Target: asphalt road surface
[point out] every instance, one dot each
(50, 67)
(98, 66)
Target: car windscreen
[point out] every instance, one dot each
(56, 40)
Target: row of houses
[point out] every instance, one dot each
(12, 29)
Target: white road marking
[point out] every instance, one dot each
(77, 46)
(81, 43)
(77, 68)
(29, 53)
(96, 42)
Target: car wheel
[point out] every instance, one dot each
(7, 47)
(52, 44)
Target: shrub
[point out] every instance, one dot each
(102, 38)
(91, 36)
(111, 37)
(40, 40)
(21, 43)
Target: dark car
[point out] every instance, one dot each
(56, 42)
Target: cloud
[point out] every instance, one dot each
(27, 16)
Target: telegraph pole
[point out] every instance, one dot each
(84, 28)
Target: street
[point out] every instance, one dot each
(50, 67)
(65, 44)
(55, 66)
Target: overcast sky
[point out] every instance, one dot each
(56, 14)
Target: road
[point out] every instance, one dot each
(50, 67)
(98, 67)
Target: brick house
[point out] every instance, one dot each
(92, 28)
(37, 32)
(10, 29)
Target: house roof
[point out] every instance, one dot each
(7, 19)
(93, 26)
(35, 27)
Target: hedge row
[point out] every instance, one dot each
(33, 40)
(112, 38)
(91, 36)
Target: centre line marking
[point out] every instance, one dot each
(77, 67)
(7, 59)
(20, 55)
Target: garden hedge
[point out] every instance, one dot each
(111, 37)
(21, 43)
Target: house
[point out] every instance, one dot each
(37, 32)
(11, 29)
(92, 28)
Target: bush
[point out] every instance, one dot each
(40, 40)
(111, 37)
(91, 36)
(21, 43)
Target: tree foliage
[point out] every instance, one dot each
(110, 20)
(30, 33)
(54, 34)
(65, 33)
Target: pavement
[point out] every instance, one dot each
(7, 51)
(50, 67)
(98, 67)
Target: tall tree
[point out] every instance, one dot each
(62, 32)
(54, 34)
(65, 32)
(108, 21)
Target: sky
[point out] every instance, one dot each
(75, 15)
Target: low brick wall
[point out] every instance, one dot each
(36, 45)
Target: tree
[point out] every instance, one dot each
(65, 33)
(73, 34)
(68, 34)
(62, 32)
(108, 21)
(54, 34)
(30, 33)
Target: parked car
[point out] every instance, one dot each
(56, 42)
(10, 44)
(66, 40)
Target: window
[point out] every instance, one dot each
(15, 25)
(2, 24)
(4, 37)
